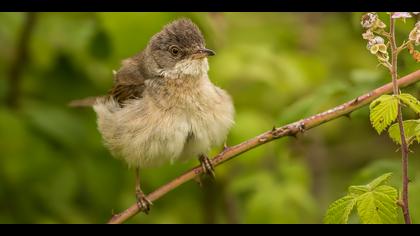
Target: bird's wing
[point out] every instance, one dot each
(129, 82)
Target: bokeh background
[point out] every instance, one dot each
(278, 67)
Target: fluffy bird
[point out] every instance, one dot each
(163, 107)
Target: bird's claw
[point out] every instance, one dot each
(143, 202)
(225, 146)
(207, 166)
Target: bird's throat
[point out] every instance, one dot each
(188, 68)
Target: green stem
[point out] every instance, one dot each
(404, 146)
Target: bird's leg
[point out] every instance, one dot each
(206, 165)
(225, 146)
(142, 202)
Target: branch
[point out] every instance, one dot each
(288, 130)
(21, 58)
(404, 146)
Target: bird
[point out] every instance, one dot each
(163, 107)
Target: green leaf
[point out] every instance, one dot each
(375, 203)
(381, 180)
(383, 111)
(417, 131)
(411, 131)
(361, 189)
(411, 102)
(378, 206)
(358, 190)
(339, 211)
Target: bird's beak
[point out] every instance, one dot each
(203, 52)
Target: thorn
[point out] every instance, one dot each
(348, 115)
(356, 100)
(301, 127)
(273, 129)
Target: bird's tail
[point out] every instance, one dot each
(85, 102)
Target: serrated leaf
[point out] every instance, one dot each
(358, 190)
(383, 111)
(410, 131)
(381, 180)
(411, 102)
(378, 206)
(338, 212)
(375, 203)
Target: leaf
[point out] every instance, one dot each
(378, 206)
(383, 111)
(411, 102)
(381, 180)
(375, 203)
(417, 131)
(411, 131)
(339, 211)
(358, 190)
(361, 189)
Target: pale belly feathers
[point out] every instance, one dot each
(155, 130)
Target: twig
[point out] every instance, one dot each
(18, 64)
(404, 146)
(288, 130)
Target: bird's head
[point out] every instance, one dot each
(178, 50)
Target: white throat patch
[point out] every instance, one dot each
(187, 68)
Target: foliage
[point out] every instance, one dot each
(410, 101)
(383, 111)
(412, 132)
(375, 203)
(278, 67)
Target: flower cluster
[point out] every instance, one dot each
(403, 15)
(415, 34)
(376, 44)
(375, 31)
(371, 21)
(414, 40)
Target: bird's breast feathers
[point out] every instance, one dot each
(177, 120)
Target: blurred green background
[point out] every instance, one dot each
(278, 67)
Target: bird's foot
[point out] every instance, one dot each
(143, 202)
(207, 166)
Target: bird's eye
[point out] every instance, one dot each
(174, 50)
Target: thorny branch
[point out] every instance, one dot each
(292, 129)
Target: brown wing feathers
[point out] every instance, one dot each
(128, 84)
